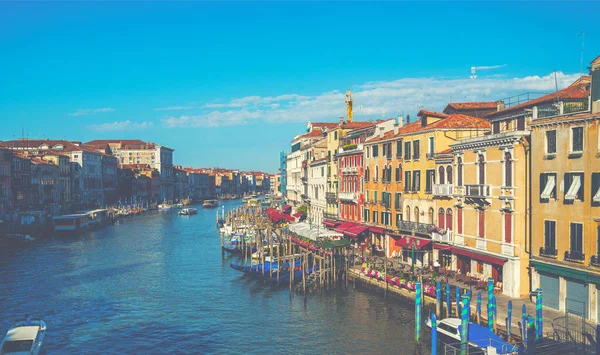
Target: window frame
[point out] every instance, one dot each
(572, 140)
(547, 142)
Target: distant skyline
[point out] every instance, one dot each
(229, 84)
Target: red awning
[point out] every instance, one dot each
(288, 218)
(297, 215)
(408, 242)
(442, 246)
(483, 257)
(274, 215)
(330, 224)
(286, 208)
(377, 230)
(355, 230)
(342, 227)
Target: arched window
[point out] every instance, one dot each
(399, 173)
(481, 162)
(441, 175)
(376, 173)
(449, 219)
(441, 218)
(417, 214)
(430, 213)
(459, 171)
(408, 213)
(507, 169)
(449, 174)
(367, 174)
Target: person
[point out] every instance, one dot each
(436, 266)
(27, 320)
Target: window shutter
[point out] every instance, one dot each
(543, 180)
(459, 220)
(448, 221)
(567, 184)
(582, 188)
(441, 218)
(507, 227)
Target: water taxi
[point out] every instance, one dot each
(24, 338)
(164, 207)
(479, 337)
(188, 211)
(210, 203)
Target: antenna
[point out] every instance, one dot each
(582, 34)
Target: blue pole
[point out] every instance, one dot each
(597, 337)
(464, 334)
(468, 303)
(457, 301)
(524, 318)
(438, 298)
(479, 307)
(448, 302)
(541, 315)
(490, 313)
(433, 335)
(418, 311)
(495, 311)
(509, 320)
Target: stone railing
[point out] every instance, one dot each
(477, 191)
(443, 238)
(350, 170)
(415, 227)
(349, 196)
(444, 190)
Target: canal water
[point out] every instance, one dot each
(157, 284)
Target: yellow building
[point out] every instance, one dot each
(566, 197)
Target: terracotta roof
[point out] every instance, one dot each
(471, 105)
(577, 90)
(324, 124)
(446, 151)
(425, 112)
(313, 133)
(358, 124)
(39, 161)
(458, 121)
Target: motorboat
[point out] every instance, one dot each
(24, 338)
(479, 337)
(188, 211)
(164, 207)
(178, 205)
(210, 203)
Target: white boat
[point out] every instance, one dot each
(479, 337)
(24, 339)
(164, 207)
(188, 211)
(210, 203)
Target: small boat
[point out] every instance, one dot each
(164, 207)
(188, 211)
(178, 205)
(479, 337)
(210, 203)
(24, 338)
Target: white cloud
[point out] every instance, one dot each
(122, 126)
(372, 100)
(174, 108)
(91, 111)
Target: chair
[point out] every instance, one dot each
(498, 287)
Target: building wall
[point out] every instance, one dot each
(6, 197)
(317, 186)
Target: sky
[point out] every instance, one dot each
(229, 84)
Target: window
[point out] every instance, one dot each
(430, 215)
(375, 196)
(550, 142)
(375, 151)
(398, 201)
(417, 214)
(507, 227)
(595, 189)
(406, 150)
(507, 169)
(550, 237)
(430, 180)
(416, 150)
(416, 181)
(481, 217)
(496, 127)
(368, 152)
(441, 173)
(398, 219)
(481, 163)
(576, 238)
(547, 187)
(441, 218)
(328, 171)
(449, 219)
(407, 213)
(335, 135)
(367, 174)
(431, 148)
(449, 174)
(573, 187)
(376, 174)
(399, 149)
(521, 124)
(459, 220)
(366, 215)
(577, 139)
(459, 170)
(399, 173)
(407, 185)
(374, 216)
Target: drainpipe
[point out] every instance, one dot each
(528, 229)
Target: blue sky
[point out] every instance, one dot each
(229, 84)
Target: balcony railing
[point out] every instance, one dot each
(331, 197)
(350, 170)
(332, 216)
(444, 190)
(415, 227)
(446, 237)
(548, 252)
(574, 256)
(477, 191)
(348, 196)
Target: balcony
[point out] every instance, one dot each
(331, 216)
(349, 170)
(595, 260)
(415, 227)
(348, 196)
(443, 190)
(575, 256)
(548, 252)
(443, 237)
(331, 197)
(477, 191)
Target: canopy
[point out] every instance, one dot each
(331, 244)
(297, 215)
(355, 230)
(483, 337)
(410, 242)
(286, 208)
(288, 218)
(312, 232)
(376, 230)
(475, 255)
(342, 227)
(330, 224)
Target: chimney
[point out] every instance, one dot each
(407, 119)
(595, 90)
(381, 132)
(399, 122)
(342, 120)
(500, 105)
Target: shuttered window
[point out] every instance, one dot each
(508, 227)
(496, 127)
(441, 218)
(577, 139)
(449, 219)
(399, 149)
(459, 212)
(508, 169)
(406, 150)
(576, 237)
(407, 185)
(550, 142)
(416, 150)
(550, 235)
(481, 224)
